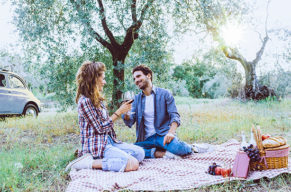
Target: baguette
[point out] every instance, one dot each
(274, 142)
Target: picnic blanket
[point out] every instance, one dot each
(167, 174)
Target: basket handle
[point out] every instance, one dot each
(259, 141)
(254, 130)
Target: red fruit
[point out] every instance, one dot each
(228, 171)
(218, 171)
(265, 136)
(224, 172)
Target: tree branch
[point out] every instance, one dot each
(131, 32)
(85, 21)
(260, 36)
(261, 51)
(235, 55)
(266, 21)
(144, 9)
(133, 11)
(104, 24)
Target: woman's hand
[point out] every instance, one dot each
(125, 107)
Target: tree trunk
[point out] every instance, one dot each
(253, 90)
(118, 81)
(251, 84)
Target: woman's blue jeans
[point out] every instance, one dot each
(116, 155)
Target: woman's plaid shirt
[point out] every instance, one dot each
(95, 126)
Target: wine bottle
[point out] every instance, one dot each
(252, 140)
(243, 141)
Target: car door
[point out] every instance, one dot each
(18, 94)
(5, 101)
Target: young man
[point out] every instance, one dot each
(156, 117)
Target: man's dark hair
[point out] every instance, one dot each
(144, 69)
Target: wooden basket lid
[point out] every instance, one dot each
(277, 148)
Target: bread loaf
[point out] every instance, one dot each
(274, 142)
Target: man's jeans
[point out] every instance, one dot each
(116, 155)
(156, 142)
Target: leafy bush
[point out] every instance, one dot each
(280, 81)
(217, 87)
(195, 77)
(178, 88)
(212, 76)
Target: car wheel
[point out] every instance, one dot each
(30, 110)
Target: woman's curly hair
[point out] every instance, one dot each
(86, 80)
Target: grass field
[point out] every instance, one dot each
(34, 152)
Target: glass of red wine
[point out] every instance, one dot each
(127, 96)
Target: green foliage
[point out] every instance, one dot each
(206, 14)
(58, 37)
(279, 80)
(195, 76)
(209, 77)
(177, 87)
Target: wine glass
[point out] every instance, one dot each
(127, 96)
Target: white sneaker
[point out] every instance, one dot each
(83, 162)
(169, 155)
(201, 148)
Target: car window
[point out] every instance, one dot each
(14, 82)
(2, 80)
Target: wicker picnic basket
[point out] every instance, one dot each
(271, 158)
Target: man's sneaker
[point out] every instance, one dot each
(83, 162)
(169, 155)
(201, 148)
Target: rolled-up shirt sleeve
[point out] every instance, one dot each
(94, 118)
(172, 109)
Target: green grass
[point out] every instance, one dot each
(34, 152)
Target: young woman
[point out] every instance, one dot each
(100, 148)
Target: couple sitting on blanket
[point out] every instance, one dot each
(155, 115)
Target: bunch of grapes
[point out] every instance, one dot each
(211, 169)
(253, 153)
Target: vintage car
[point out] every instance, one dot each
(15, 97)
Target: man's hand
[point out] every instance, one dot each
(171, 135)
(168, 138)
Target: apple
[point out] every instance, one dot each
(265, 136)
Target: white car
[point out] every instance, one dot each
(15, 97)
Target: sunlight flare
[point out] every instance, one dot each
(232, 34)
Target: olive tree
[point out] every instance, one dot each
(211, 15)
(48, 25)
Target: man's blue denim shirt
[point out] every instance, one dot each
(165, 113)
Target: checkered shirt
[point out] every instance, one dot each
(95, 126)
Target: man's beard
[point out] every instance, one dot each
(144, 86)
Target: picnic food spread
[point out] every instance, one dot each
(260, 153)
(270, 152)
(215, 169)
